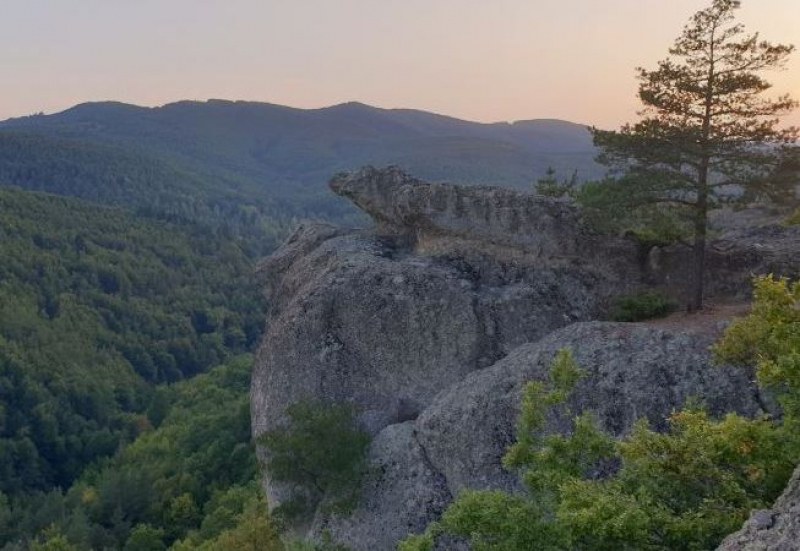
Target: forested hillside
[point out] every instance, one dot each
(250, 171)
(289, 154)
(97, 307)
(150, 185)
(188, 480)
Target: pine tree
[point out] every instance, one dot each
(707, 135)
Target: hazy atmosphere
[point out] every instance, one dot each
(484, 61)
(399, 275)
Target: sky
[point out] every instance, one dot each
(498, 60)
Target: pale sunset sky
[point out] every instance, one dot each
(497, 60)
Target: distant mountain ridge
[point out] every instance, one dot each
(274, 146)
(252, 170)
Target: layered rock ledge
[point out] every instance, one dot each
(489, 216)
(458, 441)
(431, 323)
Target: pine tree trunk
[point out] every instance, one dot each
(701, 212)
(700, 231)
(699, 258)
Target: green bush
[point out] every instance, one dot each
(322, 451)
(794, 219)
(682, 490)
(642, 306)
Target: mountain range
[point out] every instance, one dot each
(258, 153)
(130, 278)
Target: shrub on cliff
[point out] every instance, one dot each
(794, 219)
(684, 489)
(642, 306)
(323, 452)
(769, 338)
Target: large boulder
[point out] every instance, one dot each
(403, 321)
(777, 529)
(378, 320)
(458, 441)
(632, 371)
(356, 318)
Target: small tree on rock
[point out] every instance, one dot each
(322, 450)
(707, 134)
(550, 186)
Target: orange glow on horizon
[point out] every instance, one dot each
(498, 61)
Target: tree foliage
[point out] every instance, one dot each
(707, 135)
(191, 483)
(322, 451)
(96, 307)
(550, 186)
(684, 489)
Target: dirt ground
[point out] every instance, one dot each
(711, 320)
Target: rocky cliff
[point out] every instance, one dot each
(459, 439)
(445, 214)
(431, 323)
(777, 529)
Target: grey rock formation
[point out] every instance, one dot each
(458, 441)
(543, 227)
(777, 529)
(400, 203)
(404, 322)
(632, 371)
(737, 253)
(401, 495)
(356, 318)
(435, 216)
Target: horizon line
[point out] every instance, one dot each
(296, 108)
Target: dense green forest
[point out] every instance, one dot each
(190, 482)
(97, 307)
(162, 187)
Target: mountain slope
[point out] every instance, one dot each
(152, 185)
(290, 153)
(96, 307)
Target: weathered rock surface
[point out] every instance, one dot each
(402, 494)
(405, 321)
(458, 442)
(355, 318)
(742, 243)
(734, 256)
(423, 212)
(632, 371)
(777, 529)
